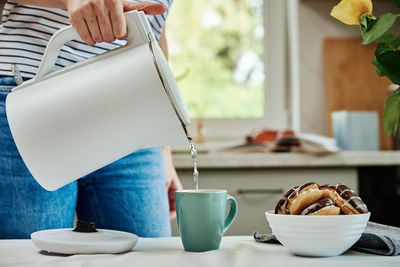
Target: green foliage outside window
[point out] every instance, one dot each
(216, 51)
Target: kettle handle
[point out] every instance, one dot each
(139, 32)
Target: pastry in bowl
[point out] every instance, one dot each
(314, 220)
(298, 198)
(345, 198)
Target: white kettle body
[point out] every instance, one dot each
(69, 123)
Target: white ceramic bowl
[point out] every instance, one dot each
(319, 235)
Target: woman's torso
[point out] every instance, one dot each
(25, 31)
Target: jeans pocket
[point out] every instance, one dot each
(5, 89)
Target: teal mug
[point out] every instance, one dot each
(201, 217)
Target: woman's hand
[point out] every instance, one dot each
(103, 20)
(171, 179)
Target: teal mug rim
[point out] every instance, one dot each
(202, 191)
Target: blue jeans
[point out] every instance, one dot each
(128, 195)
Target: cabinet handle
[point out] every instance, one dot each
(259, 191)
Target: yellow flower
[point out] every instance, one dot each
(350, 11)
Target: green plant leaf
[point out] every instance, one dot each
(389, 62)
(378, 67)
(386, 38)
(396, 43)
(386, 42)
(397, 2)
(382, 48)
(366, 22)
(391, 114)
(381, 26)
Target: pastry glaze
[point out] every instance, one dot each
(345, 198)
(324, 206)
(302, 197)
(281, 205)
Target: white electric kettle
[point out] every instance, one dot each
(71, 122)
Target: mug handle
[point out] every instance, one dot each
(232, 212)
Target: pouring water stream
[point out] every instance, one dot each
(193, 152)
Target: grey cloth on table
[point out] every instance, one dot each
(377, 239)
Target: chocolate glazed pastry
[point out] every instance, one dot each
(347, 200)
(324, 206)
(280, 206)
(302, 197)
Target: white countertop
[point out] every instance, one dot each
(165, 252)
(215, 160)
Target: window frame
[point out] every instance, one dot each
(277, 57)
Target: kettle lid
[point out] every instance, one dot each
(84, 239)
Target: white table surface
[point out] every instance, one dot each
(165, 252)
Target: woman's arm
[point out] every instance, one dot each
(98, 20)
(171, 179)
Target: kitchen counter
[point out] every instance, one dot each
(236, 160)
(235, 251)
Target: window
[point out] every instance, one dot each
(218, 57)
(229, 59)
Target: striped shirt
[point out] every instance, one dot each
(25, 31)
